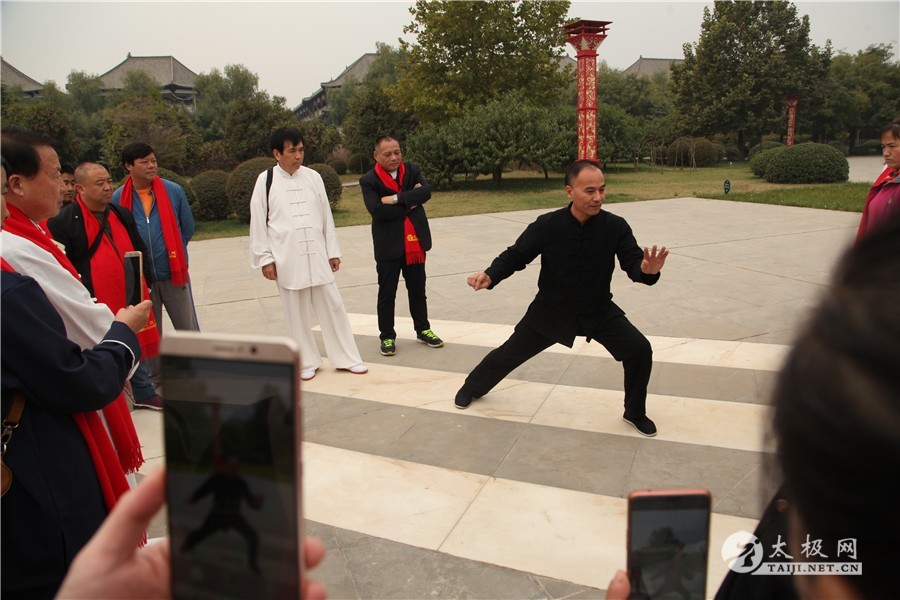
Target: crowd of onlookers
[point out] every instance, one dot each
(71, 527)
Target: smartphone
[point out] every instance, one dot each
(668, 543)
(134, 278)
(232, 424)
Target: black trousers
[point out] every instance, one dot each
(626, 344)
(388, 278)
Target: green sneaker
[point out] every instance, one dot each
(429, 338)
(388, 348)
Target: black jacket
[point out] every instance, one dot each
(577, 262)
(54, 504)
(68, 228)
(388, 219)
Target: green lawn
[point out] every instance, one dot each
(522, 190)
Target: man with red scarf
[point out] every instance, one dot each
(96, 236)
(166, 225)
(68, 457)
(394, 192)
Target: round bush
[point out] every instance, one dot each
(333, 186)
(212, 202)
(679, 152)
(732, 152)
(840, 146)
(868, 148)
(176, 178)
(359, 163)
(239, 185)
(339, 166)
(808, 163)
(760, 161)
(768, 145)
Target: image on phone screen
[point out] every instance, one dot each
(668, 547)
(231, 486)
(133, 279)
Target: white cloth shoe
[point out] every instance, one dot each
(308, 374)
(359, 369)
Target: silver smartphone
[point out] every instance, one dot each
(134, 278)
(233, 470)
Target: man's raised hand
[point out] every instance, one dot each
(653, 260)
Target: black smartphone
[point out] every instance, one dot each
(232, 425)
(134, 278)
(668, 543)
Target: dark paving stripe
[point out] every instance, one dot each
(596, 463)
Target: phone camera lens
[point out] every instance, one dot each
(252, 349)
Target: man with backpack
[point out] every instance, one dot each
(294, 242)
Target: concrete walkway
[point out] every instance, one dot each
(523, 495)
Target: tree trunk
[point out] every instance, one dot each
(741, 143)
(496, 174)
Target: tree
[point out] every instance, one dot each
(250, 124)
(86, 92)
(863, 93)
(638, 96)
(469, 53)
(370, 111)
(217, 93)
(749, 57)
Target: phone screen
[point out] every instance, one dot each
(133, 279)
(233, 498)
(668, 542)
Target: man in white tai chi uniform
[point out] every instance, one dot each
(294, 242)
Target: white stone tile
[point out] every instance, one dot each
(393, 499)
(687, 420)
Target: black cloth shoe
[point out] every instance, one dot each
(643, 424)
(388, 347)
(464, 398)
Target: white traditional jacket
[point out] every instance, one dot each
(300, 236)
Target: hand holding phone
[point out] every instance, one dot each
(232, 431)
(668, 543)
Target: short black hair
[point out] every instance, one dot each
(285, 134)
(5, 165)
(892, 128)
(135, 151)
(20, 150)
(384, 138)
(577, 167)
(64, 168)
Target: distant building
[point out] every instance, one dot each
(12, 77)
(176, 81)
(316, 105)
(647, 67)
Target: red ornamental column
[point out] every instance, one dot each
(586, 37)
(792, 118)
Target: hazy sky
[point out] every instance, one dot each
(294, 46)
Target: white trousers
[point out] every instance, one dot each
(322, 304)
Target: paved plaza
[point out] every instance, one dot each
(523, 494)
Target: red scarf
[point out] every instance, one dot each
(168, 222)
(411, 245)
(110, 463)
(107, 270)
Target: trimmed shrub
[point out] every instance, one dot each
(213, 156)
(760, 161)
(175, 177)
(679, 152)
(239, 185)
(212, 202)
(840, 146)
(359, 163)
(720, 150)
(808, 163)
(868, 148)
(767, 145)
(338, 165)
(732, 152)
(333, 186)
